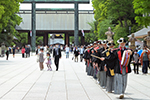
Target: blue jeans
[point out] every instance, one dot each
(67, 54)
(145, 66)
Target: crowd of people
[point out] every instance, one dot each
(15, 49)
(110, 66)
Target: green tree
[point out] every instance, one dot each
(8, 19)
(142, 9)
(8, 8)
(10, 31)
(103, 27)
(39, 40)
(120, 32)
(21, 39)
(92, 35)
(121, 10)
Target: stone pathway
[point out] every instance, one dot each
(21, 79)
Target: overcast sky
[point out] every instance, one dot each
(24, 6)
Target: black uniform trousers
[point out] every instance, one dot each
(56, 60)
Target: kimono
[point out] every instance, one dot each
(103, 78)
(121, 72)
(111, 62)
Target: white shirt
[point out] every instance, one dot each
(67, 49)
(81, 51)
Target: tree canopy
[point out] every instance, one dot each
(142, 9)
(117, 14)
(9, 19)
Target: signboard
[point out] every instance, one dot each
(56, 1)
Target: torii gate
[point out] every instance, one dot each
(75, 2)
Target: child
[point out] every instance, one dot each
(49, 62)
(41, 59)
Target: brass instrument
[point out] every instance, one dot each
(109, 50)
(95, 56)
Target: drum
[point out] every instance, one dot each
(125, 58)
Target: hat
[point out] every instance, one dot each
(104, 42)
(100, 41)
(110, 43)
(91, 44)
(95, 42)
(121, 40)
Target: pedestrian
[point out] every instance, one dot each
(10, 49)
(81, 53)
(41, 59)
(23, 52)
(136, 57)
(71, 49)
(76, 53)
(67, 51)
(49, 62)
(29, 50)
(56, 56)
(145, 59)
(51, 49)
(7, 54)
(14, 48)
(26, 50)
(37, 53)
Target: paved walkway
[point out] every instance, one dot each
(21, 79)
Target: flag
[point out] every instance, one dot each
(82, 32)
(30, 33)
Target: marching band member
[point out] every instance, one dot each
(94, 60)
(102, 65)
(121, 71)
(110, 65)
(87, 57)
(99, 50)
(90, 68)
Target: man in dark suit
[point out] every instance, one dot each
(56, 55)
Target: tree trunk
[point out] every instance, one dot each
(121, 22)
(125, 21)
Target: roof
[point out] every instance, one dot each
(56, 1)
(141, 33)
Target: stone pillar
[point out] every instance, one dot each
(66, 38)
(45, 39)
(33, 41)
(29, 38)
(82, 40)
(76, 37)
